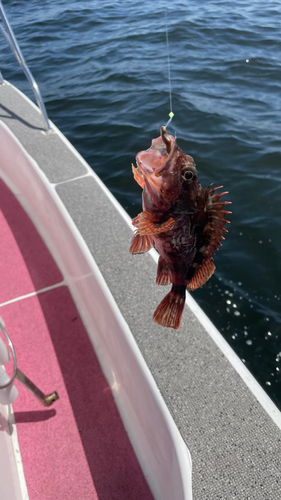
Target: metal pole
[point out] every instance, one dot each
(9, 36)
(45, 399)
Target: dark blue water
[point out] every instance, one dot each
(102, 70)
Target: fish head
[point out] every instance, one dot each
(169, 174)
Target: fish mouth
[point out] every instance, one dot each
(156, 159)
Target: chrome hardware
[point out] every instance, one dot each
(45, 399)
(10, 38)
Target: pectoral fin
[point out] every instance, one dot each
(146, 225)
(203, 272)
(141, 244)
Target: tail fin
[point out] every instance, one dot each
(169, 311)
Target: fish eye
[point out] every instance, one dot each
(187, 174)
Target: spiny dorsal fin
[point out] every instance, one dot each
(210, 239)
(215, 212)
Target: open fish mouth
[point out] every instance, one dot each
(155, 160)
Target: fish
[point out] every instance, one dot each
(183, 221)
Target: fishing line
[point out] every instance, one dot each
(171, 114)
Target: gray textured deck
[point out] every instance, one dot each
(234, 444)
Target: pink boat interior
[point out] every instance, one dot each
(78, 448)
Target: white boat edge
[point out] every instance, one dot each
(133, 394)
(14, 485)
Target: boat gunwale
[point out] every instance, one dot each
(181, 459)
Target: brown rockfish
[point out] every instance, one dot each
(182, 220)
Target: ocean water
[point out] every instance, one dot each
(102, 71)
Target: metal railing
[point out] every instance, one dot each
(9, 36)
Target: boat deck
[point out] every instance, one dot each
(66, 450)
(226, 420)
